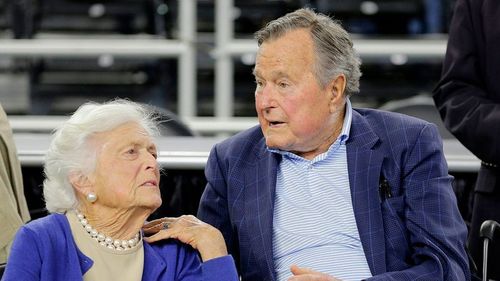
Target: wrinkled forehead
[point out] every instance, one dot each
(130, 132)
(296, 45)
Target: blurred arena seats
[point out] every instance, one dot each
(59, 79)
(248, 15)
(170, 124)
(89, 17)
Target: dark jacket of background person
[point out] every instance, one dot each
(468, 98)
(13, 208)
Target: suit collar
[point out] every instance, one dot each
(361, 134)
(365, 163)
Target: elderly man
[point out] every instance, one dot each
(322, 191)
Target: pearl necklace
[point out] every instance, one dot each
(106, 241)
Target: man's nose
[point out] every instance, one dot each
(266, 97)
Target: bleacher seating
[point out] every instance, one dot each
(55, 80)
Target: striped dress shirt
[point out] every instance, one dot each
(314, 223)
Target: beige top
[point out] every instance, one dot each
(108, 264)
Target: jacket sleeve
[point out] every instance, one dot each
(213, 207)
(220, 269)
(25, 260)
(191, 268)
(436, 233)
(469, 111)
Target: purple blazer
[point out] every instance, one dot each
(44, 249)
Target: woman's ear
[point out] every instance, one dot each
(80, 182)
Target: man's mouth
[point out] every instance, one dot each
(275, 123)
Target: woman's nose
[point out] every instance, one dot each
(151, 160)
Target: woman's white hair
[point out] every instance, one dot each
(69, 151)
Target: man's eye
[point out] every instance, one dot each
(259, 83)
(282, 85)
(131, 151)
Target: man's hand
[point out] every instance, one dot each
(306, 274)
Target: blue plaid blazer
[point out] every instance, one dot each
(416, 234)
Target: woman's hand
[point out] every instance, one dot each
(203, 237)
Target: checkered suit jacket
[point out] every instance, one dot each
(417, 234)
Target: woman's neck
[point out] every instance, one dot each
(118, 224)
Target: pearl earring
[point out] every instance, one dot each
(91, 197)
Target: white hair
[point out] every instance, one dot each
(70, 151)
(334, 49)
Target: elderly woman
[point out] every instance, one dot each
(101, 185)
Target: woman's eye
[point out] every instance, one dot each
(283, 85)
(131, 151)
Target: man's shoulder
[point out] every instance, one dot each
(390, 127)
(386, 120)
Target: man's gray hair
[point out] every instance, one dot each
(70, 150)
(333, 46)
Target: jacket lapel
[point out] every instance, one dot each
(259, 207)
(364, 164)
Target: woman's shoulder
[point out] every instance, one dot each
(171, 248)
(49, 225)
(171, 251)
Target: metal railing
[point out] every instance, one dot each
(192, 152)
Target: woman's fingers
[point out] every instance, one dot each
(190, 230)
(154, 226)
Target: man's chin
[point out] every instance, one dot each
(274, 144)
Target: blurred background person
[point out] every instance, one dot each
(101, 185)
(13, 208)
(468, 99)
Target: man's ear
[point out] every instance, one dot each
(80, 182)
(337, 88)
